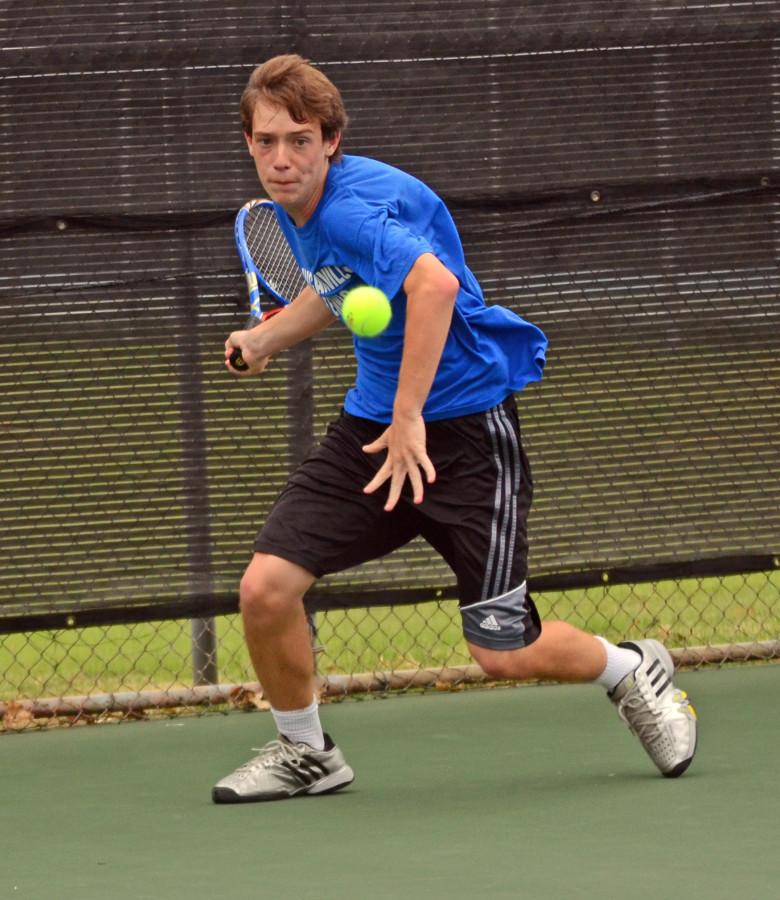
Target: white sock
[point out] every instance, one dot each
(301, 725)
(620, 661)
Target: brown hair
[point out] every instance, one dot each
(292, 82)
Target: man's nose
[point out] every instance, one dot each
(281, 158)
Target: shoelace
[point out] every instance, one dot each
(273, 752)
(646, 712)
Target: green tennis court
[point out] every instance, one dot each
(503, 793)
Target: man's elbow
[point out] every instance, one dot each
(429, 276)
(449, 285)
(442, 285)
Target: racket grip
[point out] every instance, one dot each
(237, 361)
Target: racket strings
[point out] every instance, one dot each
(271, 253)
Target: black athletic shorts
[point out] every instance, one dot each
(474, 515)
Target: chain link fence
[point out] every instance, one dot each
(614, 178)
(107, 673)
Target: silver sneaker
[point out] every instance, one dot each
(285, 769)
(659, 714)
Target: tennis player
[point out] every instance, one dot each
(428, 443)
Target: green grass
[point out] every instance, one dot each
(158, 655)
(101, 480)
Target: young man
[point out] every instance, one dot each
(428, 444)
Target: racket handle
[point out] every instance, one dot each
(237, 361)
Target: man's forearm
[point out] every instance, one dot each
(304, 317)
(431, 293)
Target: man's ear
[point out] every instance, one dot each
(332, 145)
(249, 145)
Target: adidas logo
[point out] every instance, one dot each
(490, 624)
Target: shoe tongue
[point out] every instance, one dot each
(292, 743)
(623, 687)
(329, 745)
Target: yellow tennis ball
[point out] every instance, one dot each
(366, 311)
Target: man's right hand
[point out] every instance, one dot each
(255, 364)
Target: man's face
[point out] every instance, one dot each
(291, 159)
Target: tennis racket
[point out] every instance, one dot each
(268, 262)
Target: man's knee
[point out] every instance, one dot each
(257, 599)
(272, 589)
(503, 665)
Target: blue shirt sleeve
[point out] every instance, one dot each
(378, 248)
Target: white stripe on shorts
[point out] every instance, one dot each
(520, 587)
(506, 453)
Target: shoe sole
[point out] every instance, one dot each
(328, 785)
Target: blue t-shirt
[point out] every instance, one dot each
(371, 225)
